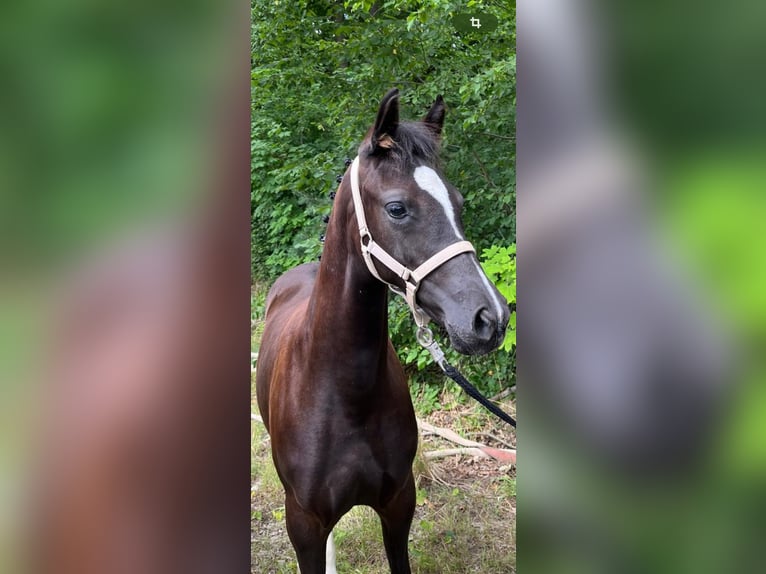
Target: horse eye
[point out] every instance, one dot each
(396, 209)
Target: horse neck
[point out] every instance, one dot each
(348, 305)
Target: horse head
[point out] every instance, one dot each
(414, 215)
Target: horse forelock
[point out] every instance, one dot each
(413, 144)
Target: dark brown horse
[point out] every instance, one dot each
(330, 387)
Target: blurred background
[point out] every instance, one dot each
(641, 195)
(120, 153)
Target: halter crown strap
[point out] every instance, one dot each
(411, 278)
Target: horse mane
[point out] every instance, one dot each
(413, 143)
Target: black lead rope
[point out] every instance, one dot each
(426, 339)
(472, 392)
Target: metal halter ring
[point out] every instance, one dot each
(424, 336)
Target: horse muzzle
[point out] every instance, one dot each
(481, 333)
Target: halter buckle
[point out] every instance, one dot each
(364, 233)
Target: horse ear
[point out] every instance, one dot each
(384, 132)
(434, 119)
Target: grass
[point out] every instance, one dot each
(466, 508)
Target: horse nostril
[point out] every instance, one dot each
(484, 324)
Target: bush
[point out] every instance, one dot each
(499, 264)
(319, 69)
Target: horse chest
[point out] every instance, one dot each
(355, 480)
(359, 463)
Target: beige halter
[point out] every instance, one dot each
(412, 278)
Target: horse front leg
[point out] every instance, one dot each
(309, 538)
(396, 519)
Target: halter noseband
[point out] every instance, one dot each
(411, 277)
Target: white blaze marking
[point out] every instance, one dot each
(492, 292)
(330, 555)
(430, 182)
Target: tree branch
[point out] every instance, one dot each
(483, 169)
(498, 136)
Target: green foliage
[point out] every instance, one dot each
(508, 486)
(499, 264)
(428, 399)
(278, 513)
(319, 69)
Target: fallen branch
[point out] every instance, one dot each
(501, 454)
(473, 451)
(502, 394)
(470, 447)
(448, 434)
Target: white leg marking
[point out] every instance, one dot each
(490, 289)
(330, 556)
(429, 181)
